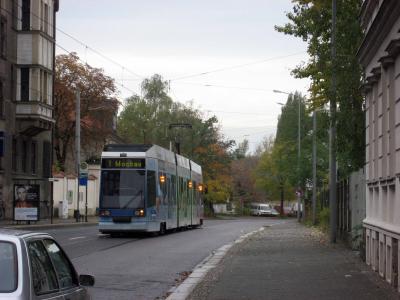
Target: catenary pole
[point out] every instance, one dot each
(332, 136)
(314, 168)
(299, 210)
(77, 145)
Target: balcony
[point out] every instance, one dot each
(33, 117)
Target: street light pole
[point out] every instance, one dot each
(299, 210)
(77, 146)
(314, 168)
(332, 136)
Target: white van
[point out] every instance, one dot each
(262, 209)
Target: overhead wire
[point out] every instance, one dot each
(236, 66)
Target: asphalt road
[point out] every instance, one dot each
(141, 267)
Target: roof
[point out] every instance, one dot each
(127, 147)
(18, 233)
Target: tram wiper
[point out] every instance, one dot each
(133, 198)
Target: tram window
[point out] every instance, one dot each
(173, 188)
(122, 189)
(151, 188)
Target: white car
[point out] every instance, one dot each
(34, 266)
(263, 209)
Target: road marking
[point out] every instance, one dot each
(77, 238)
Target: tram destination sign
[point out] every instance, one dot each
(123, 163)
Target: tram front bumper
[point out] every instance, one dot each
(143, 226)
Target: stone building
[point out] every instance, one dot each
(379, 56)
(27, 47)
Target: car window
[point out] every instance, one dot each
(43, 275)
(66, 274)
(8, 267)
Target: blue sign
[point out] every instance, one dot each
(83, 181)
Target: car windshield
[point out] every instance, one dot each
(122, 189)
(8, 268)
(264, 207)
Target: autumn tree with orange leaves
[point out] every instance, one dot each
(99, 106)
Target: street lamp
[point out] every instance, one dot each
(298, 192)
(78, 147)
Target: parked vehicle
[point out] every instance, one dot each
(263, 209)
(34, 266)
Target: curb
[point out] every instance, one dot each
(48, 226)
(182, 291)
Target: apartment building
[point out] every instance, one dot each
(379, 55)
(27, 48)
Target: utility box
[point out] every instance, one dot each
(63, 209)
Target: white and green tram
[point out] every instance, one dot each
(146, 188)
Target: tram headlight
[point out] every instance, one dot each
(105, 213)
(200, 188)
(162, 178)
(190, 184)
(139, 212)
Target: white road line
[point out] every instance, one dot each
(77, 238)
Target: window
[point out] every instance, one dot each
(44, 277)
(24, 156)
(122, 189)
(8, 267)
(26, 14)
(46, 159)
(1, 99)
(24, 84)
(151, 188)
(66, 275)
(33, 157)
(44, 88)
(3, 37)
(14, 154)
(46, 18)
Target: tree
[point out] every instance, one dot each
(279, 170)
(146, 119)
(311, 21)
(98, 105)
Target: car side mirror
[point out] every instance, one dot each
(86, 280)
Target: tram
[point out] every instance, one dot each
(146, 188)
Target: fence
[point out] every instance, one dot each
(351, 201)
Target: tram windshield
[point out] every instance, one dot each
(122, 189)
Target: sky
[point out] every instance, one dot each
(233, 41)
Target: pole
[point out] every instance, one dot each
(314, 167)
(282, 197)
(77, 145)
(332, 136)
(299, 210)
(86, 202)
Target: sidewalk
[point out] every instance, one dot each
(290, 261)
(46, 223)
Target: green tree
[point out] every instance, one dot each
(310, 20)
(146, 119)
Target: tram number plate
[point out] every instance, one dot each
(123, 163)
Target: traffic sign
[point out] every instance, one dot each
(83, 181)
(83, 169)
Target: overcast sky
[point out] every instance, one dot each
(179, 38)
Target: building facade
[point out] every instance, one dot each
(379, 56)
(27, 48)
